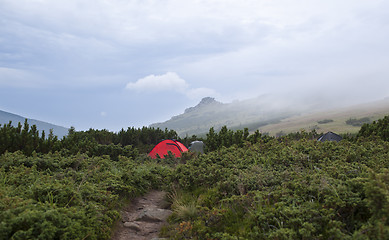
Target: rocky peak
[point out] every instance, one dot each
(207, 101)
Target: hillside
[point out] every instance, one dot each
(59, 131)
(271, 115)
(330, 120)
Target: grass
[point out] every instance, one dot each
(183, 205)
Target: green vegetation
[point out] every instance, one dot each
(358, 122)
(92, 142)
(324, 121)
(377, 128)
(283, 190)
(244, 187)
(55, 197)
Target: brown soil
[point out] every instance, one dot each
(143, 218)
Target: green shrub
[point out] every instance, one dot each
(358, 122)
(324, 121)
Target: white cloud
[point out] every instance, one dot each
(156, 83)
(169, 81)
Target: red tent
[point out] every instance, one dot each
(165, 146)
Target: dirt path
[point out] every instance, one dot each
(143, 218)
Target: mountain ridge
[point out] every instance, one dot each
(6, 117)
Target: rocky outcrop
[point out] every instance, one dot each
(207, 101)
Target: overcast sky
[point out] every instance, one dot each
(113, 64)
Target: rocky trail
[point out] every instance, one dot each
(143, 218)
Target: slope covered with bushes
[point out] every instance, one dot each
(286, 190)
(244, 187)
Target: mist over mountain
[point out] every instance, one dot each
(266, 111)
(59, 131)
(251, 113)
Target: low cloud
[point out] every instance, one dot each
(169, 81)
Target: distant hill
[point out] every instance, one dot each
(59, 131)
(271, 115)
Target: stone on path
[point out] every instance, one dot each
(154, 215)
(133, 226)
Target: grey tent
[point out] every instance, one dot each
(196, 146)
(329, 136)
